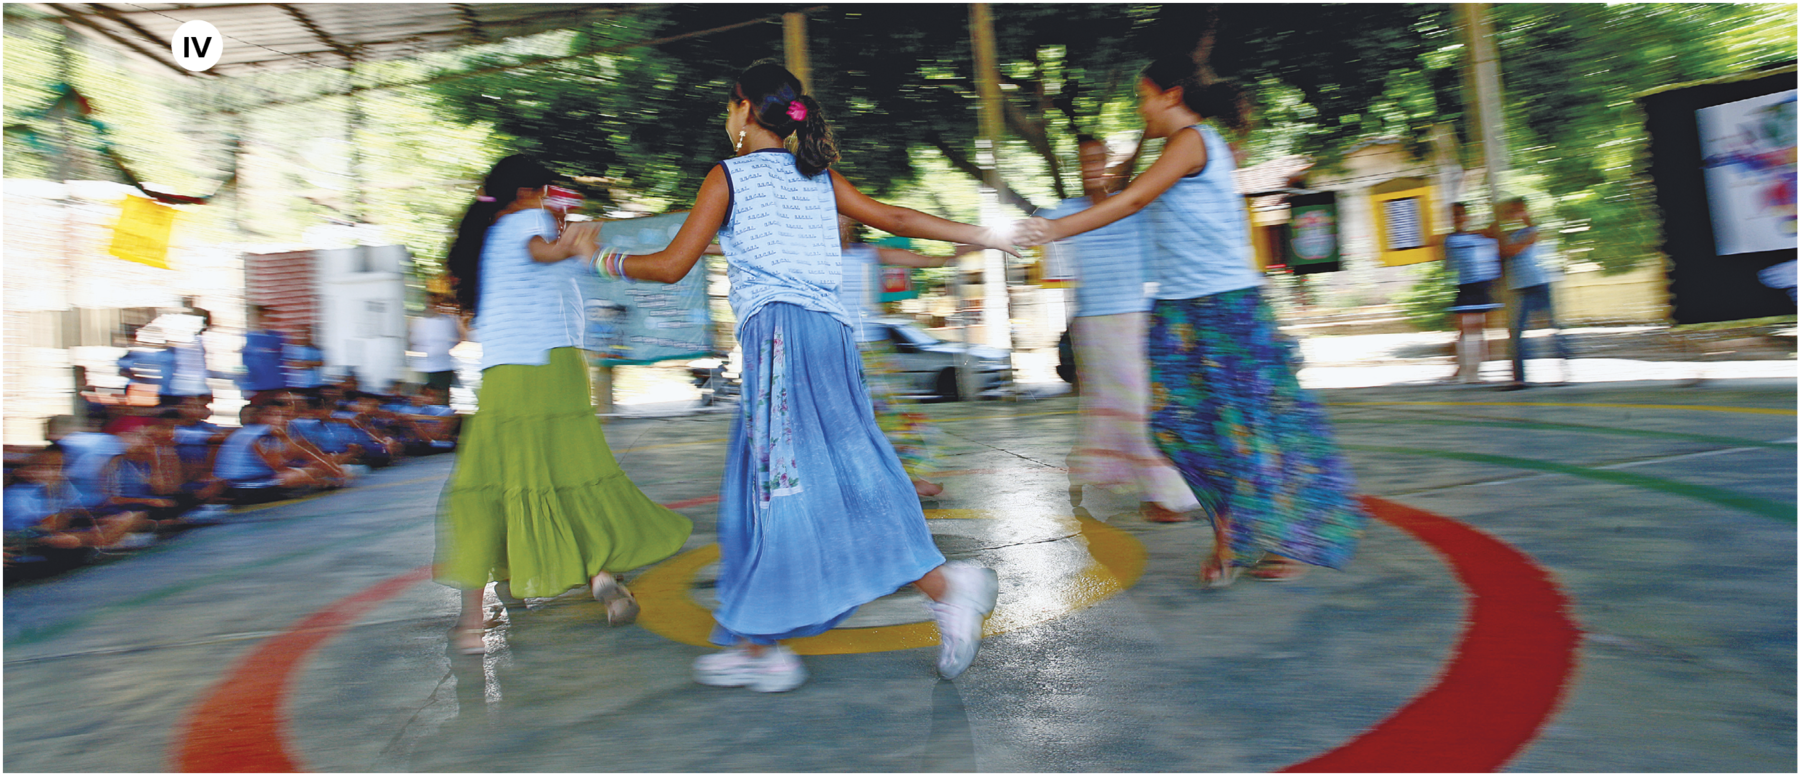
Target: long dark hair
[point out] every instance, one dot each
(501, 187)
(1222, 101)
(773, 93)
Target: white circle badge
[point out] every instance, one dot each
(197, 45)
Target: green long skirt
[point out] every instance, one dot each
(537, 497)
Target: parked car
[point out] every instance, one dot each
(930, 363)
(717, 383)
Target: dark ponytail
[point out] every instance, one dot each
(776, 99)
(1221, 101)
(500, 189)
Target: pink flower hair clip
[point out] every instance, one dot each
(796, 111)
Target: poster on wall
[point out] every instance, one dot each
(1747, 147)
(1722, 161)
(896, 284)
(1313, 238)
(629, 323)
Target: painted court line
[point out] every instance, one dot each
(1506, 677)
(1510, 669)
(1688, 407)
(1769, 508)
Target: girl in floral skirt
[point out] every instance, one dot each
(1226, 405)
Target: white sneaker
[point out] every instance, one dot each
(970, 594)
(777, 670)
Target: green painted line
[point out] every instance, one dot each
(1548, 426)
(1775, 510)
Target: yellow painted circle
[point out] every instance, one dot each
(1116, 561)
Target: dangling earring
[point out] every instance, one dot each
(738, 147)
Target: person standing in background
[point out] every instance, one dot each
(303, 362)
(262, 356)
(1473, 258)
(188, 373)
(434, 335)
(1529, 276)
(1112, 447)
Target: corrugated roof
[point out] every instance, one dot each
(275, 37)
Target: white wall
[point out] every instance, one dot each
(362, 312)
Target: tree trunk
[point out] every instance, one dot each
(962, 162)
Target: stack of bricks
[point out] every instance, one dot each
(287, 284)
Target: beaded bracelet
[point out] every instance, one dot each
(611, 264)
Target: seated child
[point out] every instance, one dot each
(43, 511)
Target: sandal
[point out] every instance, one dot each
(1218, 571)
(621, 605)
(1275, 568)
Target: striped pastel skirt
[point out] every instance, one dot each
(1112, 444)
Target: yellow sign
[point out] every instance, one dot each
(1403, 224)
(143, 232)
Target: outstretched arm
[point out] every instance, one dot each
(671, 264)
(907, 222)
(576, 239)
(900, 258)
(1184, 154)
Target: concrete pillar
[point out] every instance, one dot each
(995, 314)
(1484, 73)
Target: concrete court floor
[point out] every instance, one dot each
(1664, 512)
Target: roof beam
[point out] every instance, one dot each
(126, 22)
(471, 21)
(76, 17)
(341, 50)
(532, 63)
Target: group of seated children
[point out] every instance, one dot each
(167, 468)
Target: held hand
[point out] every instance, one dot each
(581, 238)
(1000, 238)
(1032, 232)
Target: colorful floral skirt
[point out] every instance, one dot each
(537, 497)
(1112, 443)
(816, 515)
(907, 430)
(1228, 410)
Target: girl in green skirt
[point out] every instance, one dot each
(537, 503)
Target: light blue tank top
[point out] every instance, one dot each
(527, 308)
(781, 238)
(238, 460)
(1109, 263)
(1199, 230)
(1472, 257)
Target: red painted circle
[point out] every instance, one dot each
(1508, 671)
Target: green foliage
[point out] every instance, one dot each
(1576, 133)
(1427, 302)
(642, 126)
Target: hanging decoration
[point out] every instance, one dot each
(143, 232)
(76, 105)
